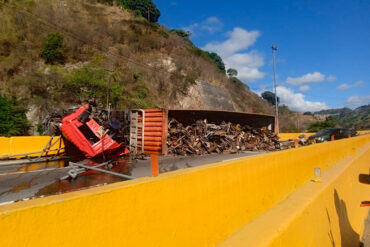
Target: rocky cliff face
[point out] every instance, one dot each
(204, 95)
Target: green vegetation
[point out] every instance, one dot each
(136, 96)
(232, 72)
(91, 82)
(210, 56)
(217, 60)
(142, 7)
(319, 125)
(181, 33)
(53, 49)
(13, 121)
(270, 97)
(40, 129)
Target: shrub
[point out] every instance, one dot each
(88, 82)
(210, 56)
(13, 120)
(40, 129)
(217, 60)
(53, 49)
(319, 125)
(141, 7)
(181, 33)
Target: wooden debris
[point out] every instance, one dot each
(204, 138)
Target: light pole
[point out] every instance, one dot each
(274, 49)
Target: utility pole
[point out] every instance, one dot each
(274, 49)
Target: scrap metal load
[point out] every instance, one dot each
(205, 138)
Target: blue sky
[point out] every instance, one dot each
(323, 57)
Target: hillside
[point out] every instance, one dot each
(358, 118)
(109, 54)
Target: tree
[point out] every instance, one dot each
(307, 113)
(217, 60)
(319, 125)
(270, 97)
(13, 120)
(53, 49)
(142, 7)
(232, 72)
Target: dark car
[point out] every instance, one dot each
(338, 133)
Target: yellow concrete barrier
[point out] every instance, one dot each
(26, 144)
(287, 136)
(363, 132)
(317, 214)
(200, 206)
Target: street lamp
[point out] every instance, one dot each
(274, 49)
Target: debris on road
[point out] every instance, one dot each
(203, 137)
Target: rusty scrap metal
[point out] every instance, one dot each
(205, 138)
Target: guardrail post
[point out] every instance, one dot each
(154, 161)
(295, 143)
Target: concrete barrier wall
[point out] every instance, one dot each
(287, 136)
(325, 213)
(26, 144)
(199, 206)
(363, 132)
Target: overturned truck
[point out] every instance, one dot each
(172, 131)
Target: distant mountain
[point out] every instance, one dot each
(334, 111)
(358, 118)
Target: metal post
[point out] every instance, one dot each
(274, 49)
(155, 168)
(102, 170)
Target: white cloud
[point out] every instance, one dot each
(306, 79)
(346, 86)
(211, 25)
(304, 88)
(239, 39)
(355, 101)
(296, 101)
(343, 86)
(309, 78)
(232, 52)
(331, 78)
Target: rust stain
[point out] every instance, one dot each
(22, 186)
